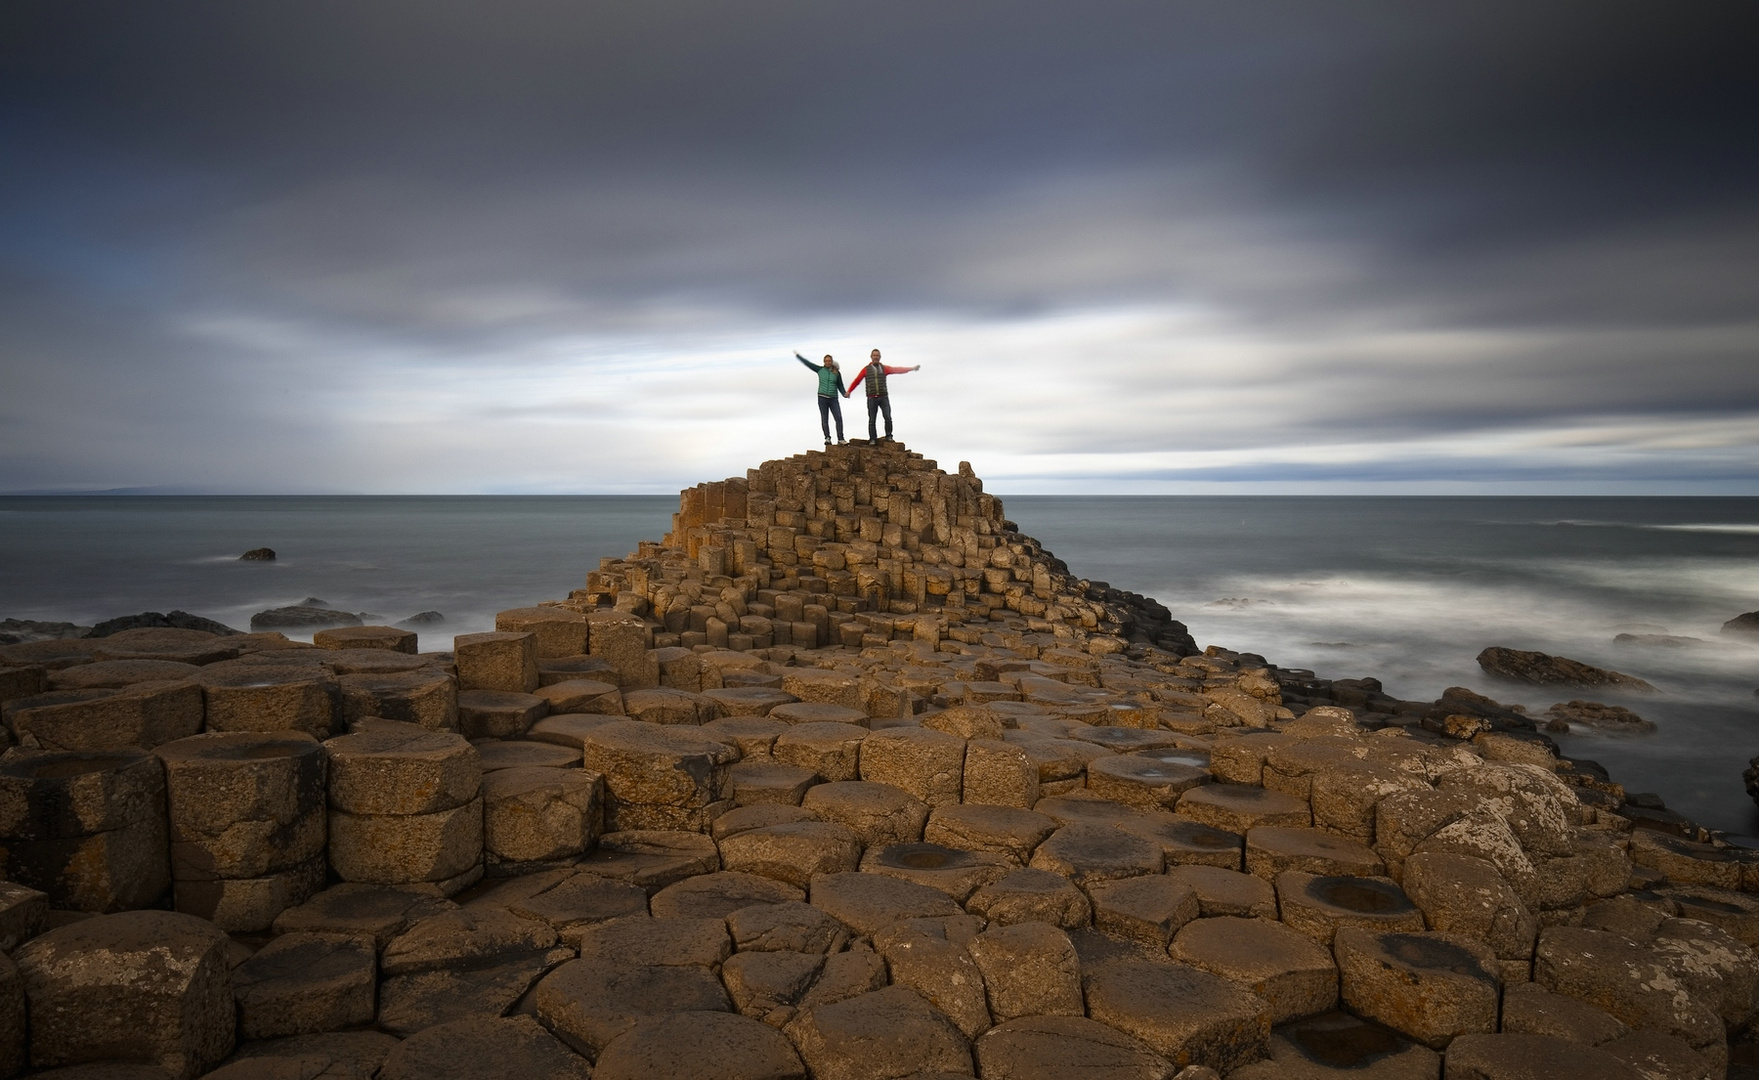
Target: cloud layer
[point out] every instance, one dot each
(1136, 247)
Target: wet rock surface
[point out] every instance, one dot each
(844, 777)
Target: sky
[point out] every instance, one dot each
(1157, 247)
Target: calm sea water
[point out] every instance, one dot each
(1407, 590)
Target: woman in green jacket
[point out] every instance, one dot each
(830, 385)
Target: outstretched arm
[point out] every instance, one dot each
(810, 365)
(895, 370)
(859, 375)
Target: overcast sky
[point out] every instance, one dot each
(1160, 246)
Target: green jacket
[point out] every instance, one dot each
(830, 381)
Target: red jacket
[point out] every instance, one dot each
(887, 368)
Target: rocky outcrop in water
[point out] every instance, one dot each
(1746, 625)
(845, 777)
(1593, 714)
(1541, 669)
(176, 620)
(307, 615)
(261, 554)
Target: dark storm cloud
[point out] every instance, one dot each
(1395, 223)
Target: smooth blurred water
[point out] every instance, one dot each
(86, 558)
(1407, 590)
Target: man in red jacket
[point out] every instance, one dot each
(877, 399)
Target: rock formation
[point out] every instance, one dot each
(843, 778)
(1744, 625)
(1541, 669)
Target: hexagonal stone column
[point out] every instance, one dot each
(88, 829)
(660, 776)
(241, 696)
(1188, 1016)
(535, 816)
(248, 824)
(405, 807)
(1429, 986)
(143, 986)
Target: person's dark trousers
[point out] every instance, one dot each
(879, 404)
(828, 407)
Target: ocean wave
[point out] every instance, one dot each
(1741, 528)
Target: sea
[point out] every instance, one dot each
(1407, 590)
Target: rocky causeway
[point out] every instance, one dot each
(843, 778)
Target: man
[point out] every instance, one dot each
(877, 399)
(830, 384)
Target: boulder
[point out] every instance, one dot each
(261, 554)
(1539, 669)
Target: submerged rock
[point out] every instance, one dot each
(1662, 641)
(1595, 715)
(1542, 669)
(261, 554)
(152, 620)
(421, 620)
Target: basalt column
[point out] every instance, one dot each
(247, 824)
(88, 828)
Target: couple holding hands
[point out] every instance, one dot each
(830, 384)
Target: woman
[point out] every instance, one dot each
(830, 384)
